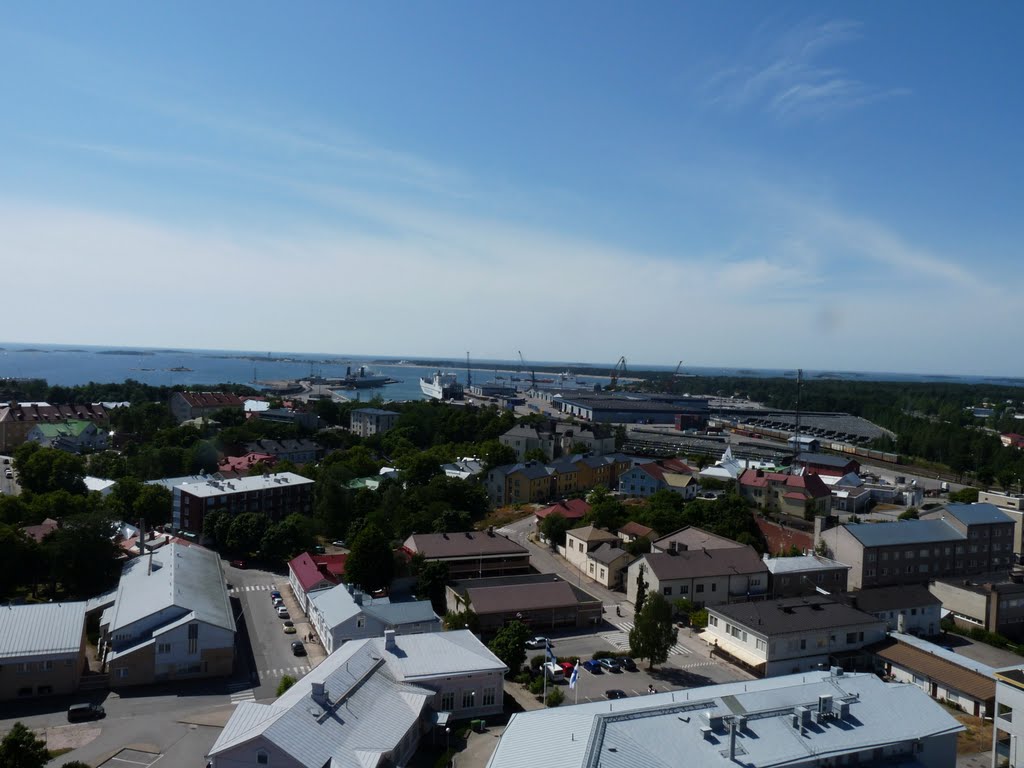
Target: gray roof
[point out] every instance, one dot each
(696, 538)
(216, 487)
(701, 563)
(397, 614)
(878, 599)
(795, 614)
(188, 578)
(522, 597)
(608, 554)
(42, 628)
(978, 514)
(802, 564)
(373, 701)
(463, 544)
(825, 459)
(903, 532)
(375, 412)
(665, 729)
(338, 605)
(520, 579)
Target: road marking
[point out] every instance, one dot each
(620, 640)
(239, 696)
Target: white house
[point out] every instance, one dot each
(704, 576)
(171, 618)
(367, 704)
(343, 613)
(781, 637)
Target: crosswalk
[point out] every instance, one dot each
(620, 640)
(241, 692)
(254, 588)
(295, 672)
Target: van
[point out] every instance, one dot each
(79, 712)
(554, 672)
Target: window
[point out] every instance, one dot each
(713, 621)
(467, 699)
(923, 567)
(885, 555)
(885, 572)
(163, 648)
(684, 590)
(591, 564)
(700, 588)
(602, 573)
(869, 572)
(488, 697)
(803, 645)
(760, 644)
(448, 701)
(851, 637)
(47, 666)
(870, 557)
(714, 586)
(924, 553)
(666, 591)
(755, 582)
(122, 672)
(262, 758)
(909, 554)
(909, 569)
(361, 622)
(193, 638)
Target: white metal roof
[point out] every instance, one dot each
(371, 704)
(41, 629)
(657, 730)
(214, 487)
(186, 577)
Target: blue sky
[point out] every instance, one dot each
(823, 185)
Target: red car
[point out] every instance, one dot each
(567, 667)
(238, 564)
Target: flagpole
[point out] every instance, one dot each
(544, 669)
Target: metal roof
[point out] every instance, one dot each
(463, 544)
(521, 597)
(41, 629)
(701, 563)
(877, 599)
(903, 532)
(802, 564)
(663, 729)
(947, 672)
(978, 514)
(213, 487)
(188, 578)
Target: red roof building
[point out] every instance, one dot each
(310, 573)
(804, 496)
(1012, 440)
(239, 466)
(39, 532)
(570, 509)
(193, 405)
(782, 538)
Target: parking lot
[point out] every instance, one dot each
(127, 758)
(688, 666)
(272, 656)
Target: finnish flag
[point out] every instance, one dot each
(550, 654)
(574, 675)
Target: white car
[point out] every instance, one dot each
(538, 642)
(282, 613)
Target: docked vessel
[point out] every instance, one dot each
(441, 386)
(361, 379)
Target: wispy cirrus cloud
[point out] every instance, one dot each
(788, 77)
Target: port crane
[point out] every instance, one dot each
(620, 368)
(677, 374)
(533, 374)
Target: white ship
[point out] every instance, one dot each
(441, 386)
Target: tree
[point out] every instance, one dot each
(83, 557)
(554, 527)
(431, 580)
(42, 470)
(19, 558)
(246, 533)
(494, 454)
(641, 589)
(910, 513)
(509, 645)
(20, 748)
(464, 619)
(536, 454)
(699, 619)
(154, 504)
(286, 682)
(653, 634)
(285, 539)
(371, 563)
(964, 496)
(555, 697)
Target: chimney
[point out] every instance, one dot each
(357, 596)
(389, 640)
(319, 694)
(732, 739)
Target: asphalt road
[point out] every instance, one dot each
(8, 486)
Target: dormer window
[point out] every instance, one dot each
(262, 757)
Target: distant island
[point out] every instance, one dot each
(128, 352)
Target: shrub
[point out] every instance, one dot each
(537, 661)
(523, 678)
(536, 686)
(286, 682)
(555, 697)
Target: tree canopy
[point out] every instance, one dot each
(509, 645)
(21, 748)
(653, 634)
(371, 563)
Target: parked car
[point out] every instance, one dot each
(339, 543)
(275, 595)
(79, 712)
(319, 549)
(298, 649)
(612, 665)
(615, 693)
(593, 666)
(282, 613)
(628, 663)
(538, 642)
(278, 602)
(567, 667)
(240, 564)
(289, 628)
(553, 672)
